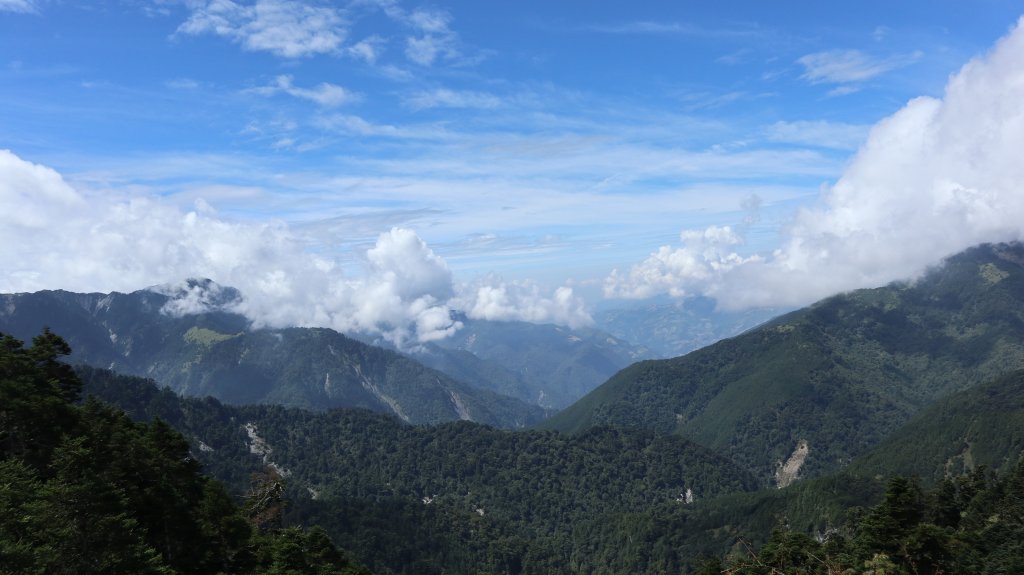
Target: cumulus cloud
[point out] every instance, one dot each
(325, 94)
(936, 177)
(692, 268)
(58, 237)
(287, 28)
(497, 300)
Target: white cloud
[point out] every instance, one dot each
(933, 179)
(693, 268)
(430, 21)
(435, 39)
(59, 237)
(497, 300)
(844, 90)
(287, 28)
(19, 6)
(444, 98)
(367, 49)
(325, 94)
(424, 50)
(194, 296)
(350, 124)
(850, 66)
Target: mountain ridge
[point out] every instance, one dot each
(214, 352)
(840, 374)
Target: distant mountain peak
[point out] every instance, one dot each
(196, 295)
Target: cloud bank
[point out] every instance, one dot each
(497, 300)
(57, 237)
(937, 177)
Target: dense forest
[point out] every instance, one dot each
(841, 375)
(973, 524)
(466, 498)
(84, 489)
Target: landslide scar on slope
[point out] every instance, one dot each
(788, 472)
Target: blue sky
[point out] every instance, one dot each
(540, 144)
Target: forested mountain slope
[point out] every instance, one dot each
(828, 382)
(460, 497)
(456, 497)
(979, 427)
(84, 489)
(216, 354)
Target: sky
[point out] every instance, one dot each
(373, 165)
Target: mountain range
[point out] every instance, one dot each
(215, 353)
(781, 434)
(548, 365)
(821, 385)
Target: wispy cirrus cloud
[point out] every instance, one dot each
(445, 98)
(18, 6)
(182, 84)
(324, 94)
(849, 68)
(352, 124)
(818, 133)
(676, 28)
(287, 28)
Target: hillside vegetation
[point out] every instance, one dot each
(441, 496)
(84, 489)
(840, 375)
(464, 498)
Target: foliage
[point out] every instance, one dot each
(84, 489)
(603, 501)
(842, 375)
(971, 525)
(981, 426)
(456, 497)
